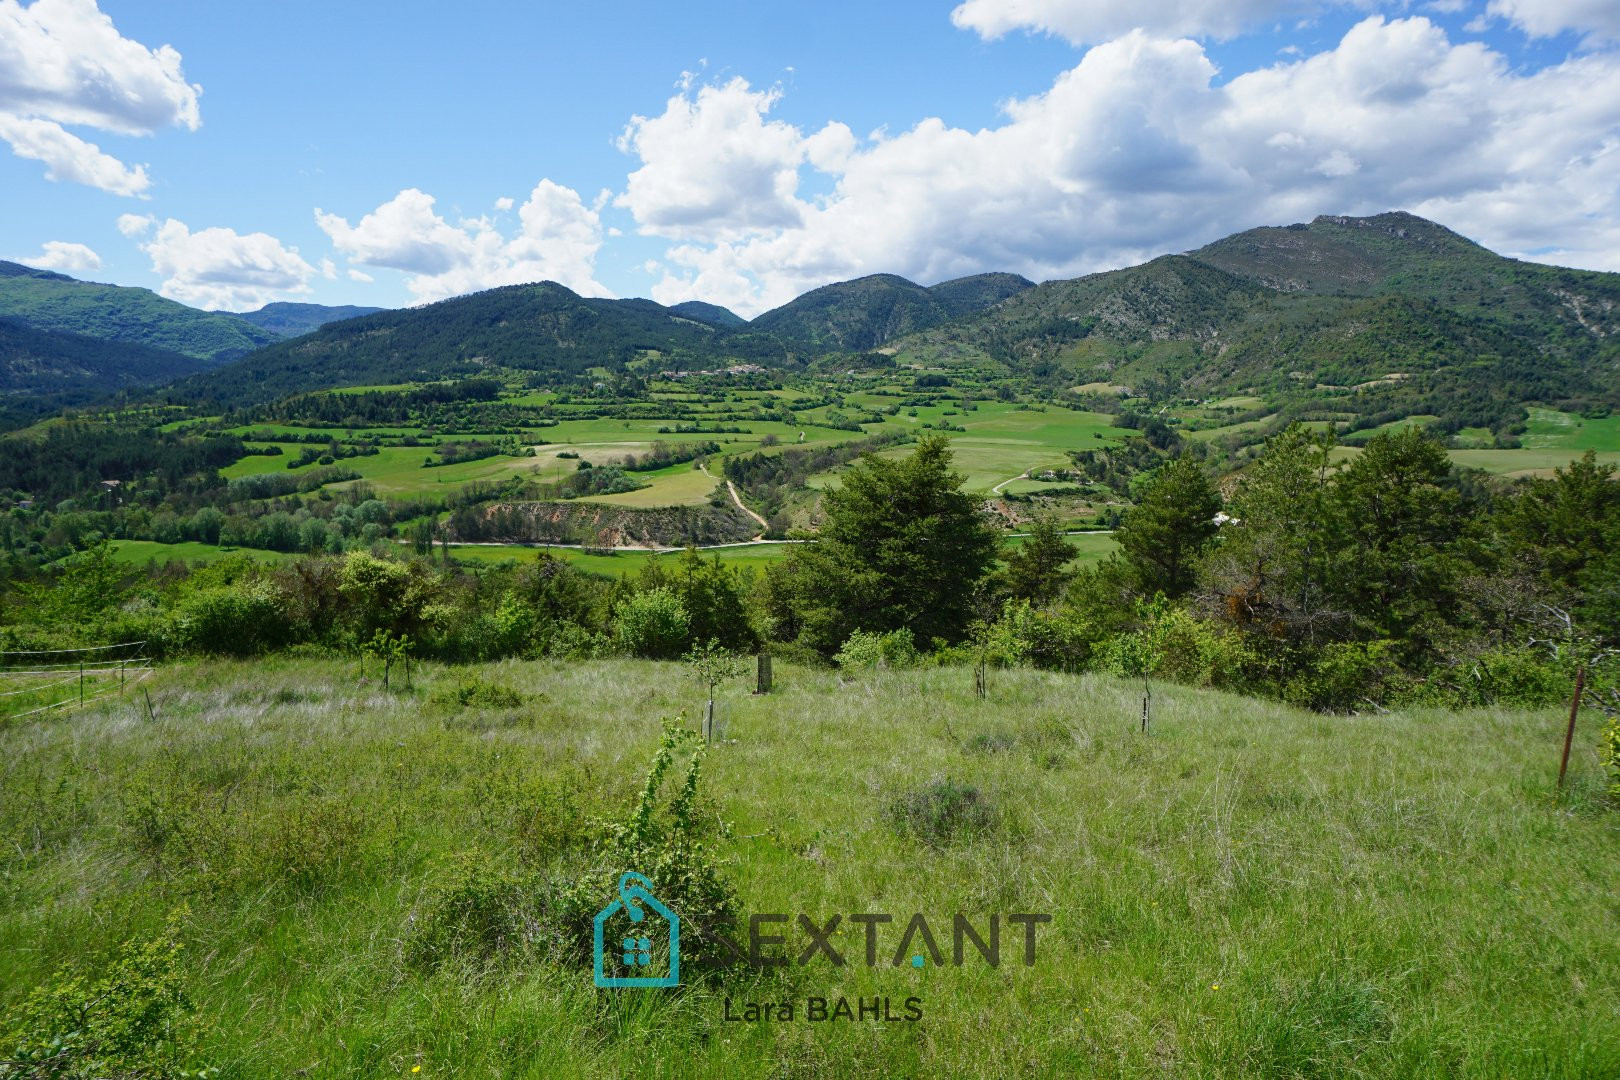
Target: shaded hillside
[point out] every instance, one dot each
(294, 320)
(42, 371)
(544, 329)
(970, 295)
(713, 314)
(50, 301)
(854, 316)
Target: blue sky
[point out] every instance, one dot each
(232, 154)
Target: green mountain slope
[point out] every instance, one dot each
(50, 301)
(294, 320)
(853, 315)
(544, 328)
(1434, 322)
(871, 311)
(969, 295)
(713, 314)
(42, 371)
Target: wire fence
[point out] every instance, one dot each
(42, 680)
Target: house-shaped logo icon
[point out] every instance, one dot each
(636, 950)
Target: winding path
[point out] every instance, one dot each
(763, 524)
(997, 489)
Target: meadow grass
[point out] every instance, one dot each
(1251, 890)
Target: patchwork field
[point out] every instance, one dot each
(1093, 547)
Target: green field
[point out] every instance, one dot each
(619, 563)
(675, 485)
(1548, 428)
(398, 471)
(141, 552)
(1093, 547)
(1249, 891)
(1003, 442)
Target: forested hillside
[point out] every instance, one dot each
(868, 312)
(42, 371)
(51, 301)
(293, 320)
(545, 329)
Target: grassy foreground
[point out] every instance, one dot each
(1252, 890)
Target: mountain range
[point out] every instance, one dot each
(287, 320)
(1307, 313)
(869, 312)
(1303, 313)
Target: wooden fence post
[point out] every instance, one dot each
(1569, 732)
(764, 683)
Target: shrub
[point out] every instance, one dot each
(1506, 676)
(668, 843)
(1048, 640)
(134, 1021)
(1611, 754)
(242, 619)
(1172, 644)
(653, 624)
(478, 911)
(1346, 674)
(477, 694)
(864, 649)
(941, 812)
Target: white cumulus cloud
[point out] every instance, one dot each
(221, 268)
(133, 225)
(557, 239)
(62, 255)
(63, 63)
(1546, 18)
(68, 157)
(1091, 21)
(712, 165)
(1137, 151)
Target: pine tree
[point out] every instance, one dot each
(1171, 524)
(902, 546)
(1035, 570)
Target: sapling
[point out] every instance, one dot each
(390, 650)
(713, 664)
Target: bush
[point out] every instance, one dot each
(668, 843)
(864, 649)
(135, 1021)
(1611, 754)
(1526, 677)
(1048, 640)
(477, 694)
(1174, 645)
(1344, 675)
(477, 912)
(653, 624)
(941, 812)
(242, 619)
